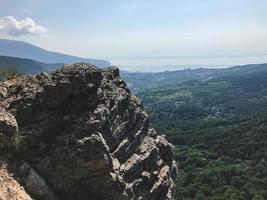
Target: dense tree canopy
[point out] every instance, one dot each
(219, 128)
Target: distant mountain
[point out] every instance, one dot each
(27, 66)
(245, 69)
(26, 50)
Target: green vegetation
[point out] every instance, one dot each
(139, 82)
(9, 72)
(18, 143)
(28, 66)
(218, 125)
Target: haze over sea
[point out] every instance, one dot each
(158, 64)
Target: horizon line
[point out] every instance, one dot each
(183, 57)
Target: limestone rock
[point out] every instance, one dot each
(8, 127)
(10, 188)
(88, 137)
(34, 183)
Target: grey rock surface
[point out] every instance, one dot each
(87, 136)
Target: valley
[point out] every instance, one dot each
(217, 120)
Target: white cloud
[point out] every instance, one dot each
(11, 26)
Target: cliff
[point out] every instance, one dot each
(78, 134)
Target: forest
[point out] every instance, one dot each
(218, 124)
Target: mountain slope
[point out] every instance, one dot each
(25, 50)
(218, 124)
(27, 66)
(139, 81)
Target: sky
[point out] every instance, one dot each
(145, 30)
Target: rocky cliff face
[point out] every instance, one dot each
(78, 134)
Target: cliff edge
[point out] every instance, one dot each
(78, 134)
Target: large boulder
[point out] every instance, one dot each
(88, 137)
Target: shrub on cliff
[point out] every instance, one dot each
(9, 72)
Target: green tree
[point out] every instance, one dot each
(258, 197)
(200, 196)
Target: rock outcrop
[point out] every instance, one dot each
(79, 134)
(9, 187)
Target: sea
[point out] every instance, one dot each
(159, 64)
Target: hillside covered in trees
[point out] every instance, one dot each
(217, 120)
